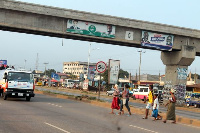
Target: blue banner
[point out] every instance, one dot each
(55, 76)
(4, 62)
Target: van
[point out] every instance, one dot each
(142, 93)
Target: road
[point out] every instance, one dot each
(46, 114)
(183, 113)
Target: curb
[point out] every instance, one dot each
(179, 119)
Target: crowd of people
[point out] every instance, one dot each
(152, 104)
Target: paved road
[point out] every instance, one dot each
(46, 114)
(183, 113)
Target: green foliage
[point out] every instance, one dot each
(123, 74)
(49, 71)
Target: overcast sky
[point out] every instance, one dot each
(18, 47)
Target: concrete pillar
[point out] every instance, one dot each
(177, 63)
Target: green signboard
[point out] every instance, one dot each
(92, 29)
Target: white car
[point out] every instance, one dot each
(110, 92)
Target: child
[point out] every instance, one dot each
(155, 108)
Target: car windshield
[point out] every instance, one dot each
(20, 77)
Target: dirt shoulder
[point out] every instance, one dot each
(103, 95)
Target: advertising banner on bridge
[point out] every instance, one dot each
(113, 71)
(158, 41)
(92, 29)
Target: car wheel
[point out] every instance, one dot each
(188, 104)
(195, 105)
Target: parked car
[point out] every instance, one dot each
(110, 92)
(193, 102)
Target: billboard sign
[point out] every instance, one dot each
(91, 29)
(91, 73)
(113, 71)
(182, 73)
(55, 76)
(3, 62)
(156, 40)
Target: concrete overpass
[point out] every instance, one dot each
(51, 21)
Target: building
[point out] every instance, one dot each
(77, 68)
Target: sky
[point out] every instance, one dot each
(21, 49)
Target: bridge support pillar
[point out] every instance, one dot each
(177, 63)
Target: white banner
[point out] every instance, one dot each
(113, 73)
(156, 40)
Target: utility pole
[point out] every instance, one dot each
(36, 64)
(45, 67)
(140, 62)
(24, 63)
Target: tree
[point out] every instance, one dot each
(49, 71)
(123, 74)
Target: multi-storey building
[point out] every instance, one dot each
(76, 68)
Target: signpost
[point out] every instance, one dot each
(101, 68)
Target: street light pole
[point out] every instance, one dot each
(88, 61)
(140, 62)
(24, 63)
(89, 51)
(45, 67)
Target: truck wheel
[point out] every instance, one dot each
(28, 98)
(4, 97)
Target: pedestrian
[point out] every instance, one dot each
(115, 101)
(150, 102)
(124, 100)
(156, 108)
(171, 108)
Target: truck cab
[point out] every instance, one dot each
(17, 84)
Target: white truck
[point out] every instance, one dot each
(16, 84)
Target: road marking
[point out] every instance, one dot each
(143, 129)
(57, 127)
(55, 105)
(188, 125)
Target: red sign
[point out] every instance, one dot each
(101, 67)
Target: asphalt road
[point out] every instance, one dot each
(183, 113)
(46, 114)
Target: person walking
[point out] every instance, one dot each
(171, 108)
(156, 108)
(150, 102)
(115, 101)
(125, 100)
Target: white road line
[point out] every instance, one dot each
(60, 106)
(188, 125)
(143, 129)
(57, 127)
